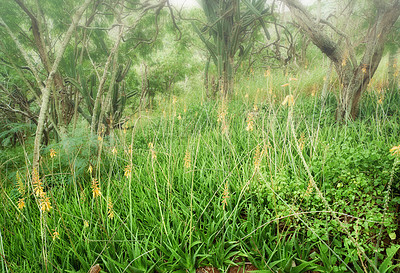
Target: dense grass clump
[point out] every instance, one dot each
(213, 183)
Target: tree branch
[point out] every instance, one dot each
(317, 35)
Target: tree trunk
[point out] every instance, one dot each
(100, 89)
(353, 77)
(46, 90)
(227, 77)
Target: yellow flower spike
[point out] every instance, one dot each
(153, 152)
(284, 85)
(52, 153)
(225, 196)
(257, 158)
(110, 212)
(21, 203)
(187, 160)
(45, 204)
(37, 184)
(90, 169)
(96, 188)
(250, 122)
(128, 171)
(21, 186)
(302, 140)
(289, 100)
(55, 235)
(293, 79)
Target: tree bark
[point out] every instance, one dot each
(354, 77)
(46, 90)
(100, 89)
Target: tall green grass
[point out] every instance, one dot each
(188, 186)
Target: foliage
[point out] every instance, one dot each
(231, 26)
(265, 177)
(186, 194)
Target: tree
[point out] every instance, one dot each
(46, 87)
(354, 75)
(231, 25)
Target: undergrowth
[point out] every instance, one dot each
(213, 183)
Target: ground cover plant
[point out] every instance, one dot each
(148, 164)
(211, 184)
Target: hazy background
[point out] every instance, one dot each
(193, 3)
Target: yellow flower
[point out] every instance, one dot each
(153, 152)
(55, 234)
(45, 204)
(52, 153)
(257, 158)
(309, 188)
(114, 151)
(37, 184)
(90, 169)
(289, 100)
(96, 188)
(364, 68)
(110, 212)
(187, 159)
(250, 122)
(21, 203)
(302, 141)
(179, 117)
(128, 171)
(395, 151)
(21, 186)
(85, 224)
(225, 196)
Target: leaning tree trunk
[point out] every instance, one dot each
(46, 90)
(353, 77)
